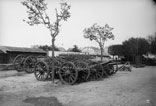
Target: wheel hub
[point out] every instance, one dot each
(67, 72)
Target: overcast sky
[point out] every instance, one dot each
(129, 18)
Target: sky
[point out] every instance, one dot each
(129, 18)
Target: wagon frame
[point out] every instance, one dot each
(74, 71)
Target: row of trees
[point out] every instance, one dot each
(36, 10)
(152, 43)
(135, 47)
(49, 48)
(45, 47)
(74, 49)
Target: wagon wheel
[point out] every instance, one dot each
(68, 73)
(105, 74)
(96, 72)
(57, 65)
(29, 64)
(115, 68)
(18, 62)
(108, 69)
(41, 71)
(83, 69)
(112, 69)
(60, 60)
(56, 73)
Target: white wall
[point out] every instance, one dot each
(57, 53)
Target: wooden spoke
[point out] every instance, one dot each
(96, 72)
(115, 68)
(83, 70)
(18, 62)
(107, 70)
(29, 64)
(68, 73)
(41, 71)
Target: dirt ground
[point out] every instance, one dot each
(136, 88)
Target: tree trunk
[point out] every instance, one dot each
(53, 69)
(101, 53)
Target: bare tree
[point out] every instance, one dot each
(99, 34)
(36, 10)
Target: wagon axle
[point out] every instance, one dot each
(69, 72)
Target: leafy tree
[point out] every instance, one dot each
(75, 49)
(143, 46)
(36, 10)
(135, 46)
(35, 46)
(115, 50)
(47, 48)
(153, 46)
(99, 34)
(152, 42)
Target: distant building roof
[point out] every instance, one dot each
(6, 49)
(61, 49)
(90, 47)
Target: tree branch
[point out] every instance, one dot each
(56, 24)
(41, 15)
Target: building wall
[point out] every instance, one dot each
(94, 50)
(8, 57)
(12, 55)
(57, 53)
(91, 51)
(3, 58)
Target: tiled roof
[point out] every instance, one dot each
(90, 47)
(6, 49)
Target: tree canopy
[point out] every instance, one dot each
(99, 34)
(135, 46)
(75, 49)
(37, 14)
(130, 47)
(115, 50)
(152, 42)
(45, 47)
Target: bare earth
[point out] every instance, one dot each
(136, 88)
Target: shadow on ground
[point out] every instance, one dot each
(43, 101)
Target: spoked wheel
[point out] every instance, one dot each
(29, 64)
(68, 73)
(83, 69)
(41, 71)
(18, 62)
(96, 72)
(108, 69)
(105, 71)
(115, 68)
(56, 73)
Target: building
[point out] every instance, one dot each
(57, 53)
(94, 50)
(91, 50)
(62, 49)
(7, 53)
